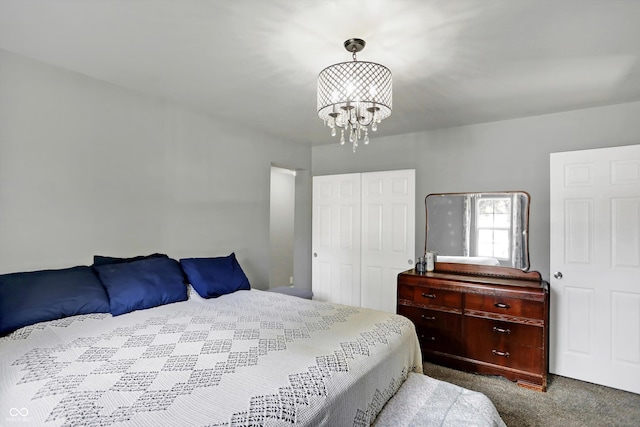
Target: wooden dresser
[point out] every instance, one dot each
(489, 320)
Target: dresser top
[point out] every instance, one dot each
(480, 279)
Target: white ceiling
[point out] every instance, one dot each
(256, 62)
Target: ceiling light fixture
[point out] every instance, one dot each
(354, 96)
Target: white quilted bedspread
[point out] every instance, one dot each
(251, 358)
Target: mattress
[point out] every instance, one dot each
(248, 358)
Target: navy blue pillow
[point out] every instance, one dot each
(37, 296)
(104, 260)
(212, 277)
(146, 283)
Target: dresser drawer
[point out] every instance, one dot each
(430, 296)
(438, 340)
(509, 344)
(432, 319)
(505, 305)
(437, 330)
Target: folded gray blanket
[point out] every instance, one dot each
(425, 401)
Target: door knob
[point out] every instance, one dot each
(315, 254)
(410, 262)
(557, 275)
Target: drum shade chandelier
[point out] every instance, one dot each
(354, 96)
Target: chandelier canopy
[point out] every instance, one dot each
(354, 96)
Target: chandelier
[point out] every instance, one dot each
(354, 96)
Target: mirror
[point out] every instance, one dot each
(479, 228)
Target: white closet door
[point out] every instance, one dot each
(388, 235)
(336, 239)
(595, 265)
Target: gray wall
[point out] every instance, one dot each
(90, 168)
(506, 155)
(87, 167)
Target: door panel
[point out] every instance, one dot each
(335, 243)
(579, 231)
(579, 302)
(388, 237)
(321, 280)
(625, 232)
(625, 309)
(595, 244)
(373, 281)
(374, 229)
(399, 224)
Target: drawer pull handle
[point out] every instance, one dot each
(501, 305)
(428, 317)
(501, 330)
(500, 353)
(426, 295)
(428, 338)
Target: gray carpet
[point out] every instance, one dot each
(567, 402)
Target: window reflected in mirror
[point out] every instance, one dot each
(492, 228)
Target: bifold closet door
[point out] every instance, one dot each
(363, 236)
(388, 235)
(335, 240)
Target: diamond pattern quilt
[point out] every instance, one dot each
(251, 358)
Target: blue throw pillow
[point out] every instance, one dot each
(212, 277)
(146, 283)
(104, 260)
(37, 296)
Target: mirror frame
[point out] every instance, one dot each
(525, 228)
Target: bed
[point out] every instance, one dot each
(245, 358)
(469, 260)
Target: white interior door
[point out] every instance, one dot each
(388, 235)
(595, 246)
(335, 239)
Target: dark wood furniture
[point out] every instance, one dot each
(489, 320)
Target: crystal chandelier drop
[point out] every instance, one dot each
(354, 96)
